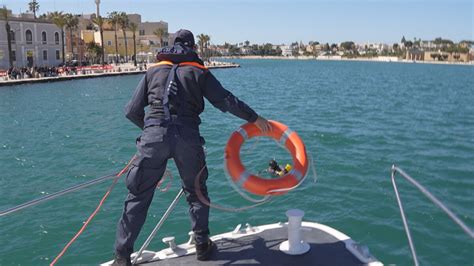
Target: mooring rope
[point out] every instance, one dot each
(94, 213)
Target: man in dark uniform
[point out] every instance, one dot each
(174, 89)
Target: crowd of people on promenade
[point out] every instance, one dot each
(20, 73)
(16, 73)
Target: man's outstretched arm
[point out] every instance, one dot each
(135, 109)
(225, 101)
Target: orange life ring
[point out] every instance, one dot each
(259, 185)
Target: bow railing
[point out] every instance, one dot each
(430, 196)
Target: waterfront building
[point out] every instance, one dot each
(223, 51)
(378, 47)
(414, 54)
(247, 50)
(313, 49)
(318, 48)
(286, 50)
(147, 32)
(445, 56)
(109, 43)
(83, 35)
(438, 44)
(35, 42)
(135, 18)
(429, 45)
(145, 38)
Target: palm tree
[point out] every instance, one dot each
(100, 23)
(207, 44)
(114, 18)
(72, 23)
(203, 42)
(33, 6)
(4, 16)
(134, 27)
(123, 22)
(94, 51)
(59, 20)
(161, 33)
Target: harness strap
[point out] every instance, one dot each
(170, 90)
(171, 87)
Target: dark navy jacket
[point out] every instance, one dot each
(194, 83)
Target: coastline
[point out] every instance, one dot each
(130, 71)
(384, 59)
(224, 65)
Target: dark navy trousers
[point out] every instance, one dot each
(155, 146)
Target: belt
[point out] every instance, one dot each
(173, 121)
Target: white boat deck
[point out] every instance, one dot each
(260, 245)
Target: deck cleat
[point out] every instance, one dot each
(249, 228)
(170, 240)
(191, 240)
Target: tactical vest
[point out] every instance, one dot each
(172, 102)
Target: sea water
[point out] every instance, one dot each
(356, 119)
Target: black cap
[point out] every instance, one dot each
(184, 37)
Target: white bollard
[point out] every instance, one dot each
(294, 245)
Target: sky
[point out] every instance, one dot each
(286, 21)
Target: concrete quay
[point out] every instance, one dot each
(124, 71)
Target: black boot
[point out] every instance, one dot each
(121, 261)
(204, 250)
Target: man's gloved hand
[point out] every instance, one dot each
(263, 124)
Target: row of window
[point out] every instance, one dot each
(45, 55)
(29, 37)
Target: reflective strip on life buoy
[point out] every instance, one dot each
(253, 183)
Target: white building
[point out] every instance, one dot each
(379, 47)
(286, 50)
(34, 42)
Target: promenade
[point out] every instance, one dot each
(120, 70)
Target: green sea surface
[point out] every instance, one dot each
(356, 119)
